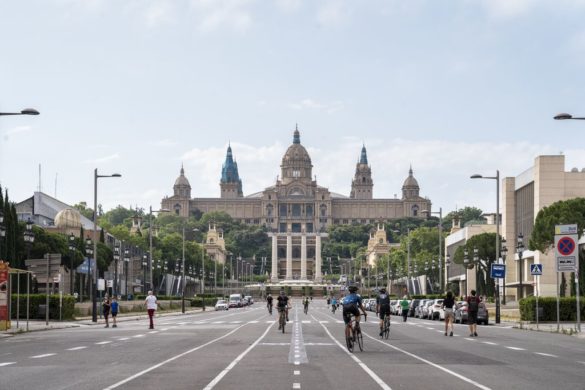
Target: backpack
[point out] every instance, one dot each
(473, 304)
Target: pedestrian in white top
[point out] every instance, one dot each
(150, 303)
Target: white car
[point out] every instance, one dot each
(250, 299)
(221, 305)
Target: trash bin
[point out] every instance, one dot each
(42, 313)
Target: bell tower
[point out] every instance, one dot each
(362, 185)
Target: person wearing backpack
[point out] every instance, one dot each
(472, 309)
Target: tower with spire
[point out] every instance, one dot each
(410, 188)
(362, 185)
(230, 183)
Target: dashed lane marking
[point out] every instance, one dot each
(297, 372)
(270, 322)
(124, 339)
(138, 335)
(306, 322)
(516, 348)
(77, 348)
(235, 322)
(323, 322)
(153, 332)
(546, 354)
(319, 344)
(296, 386)
(6, 364)
(253, 322)
(218, 322)
(103, 342)
(163, 329)
(489, 343)
(277, 344)
(43, 355)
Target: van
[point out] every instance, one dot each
(235, 300)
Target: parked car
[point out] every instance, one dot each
(413, 305)
(461, 315)
(426, 309)
(245, 301)
(250, 299)
(436, 311)
(370, 304)
(235, 300)
(221, 304)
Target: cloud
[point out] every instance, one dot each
(104, 159)
(214, 14)
(289, 5)
(333, 13)
(159, 12)
(16, 130)
(315, 105)
(164, 143)
(507, 8)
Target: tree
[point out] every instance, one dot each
(466, 214)
(564, 212)
(486, 252)
(84, 210)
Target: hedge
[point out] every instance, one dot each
(196, 302)
(142, 297)
(67, 310)
(567, 308)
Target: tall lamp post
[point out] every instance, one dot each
(89, 253)
(29, 237)
(202, 279)
(466, 264)
(183, 276)
(440, 213)
(504, 252)
(497, 179)
(26, 111)
(116, 261)
(71, 252)
(519, 251)
(95, 240)
(447, 265)
(127, 265)
(150, 243)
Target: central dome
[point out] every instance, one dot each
(296, 163)
(68, 219)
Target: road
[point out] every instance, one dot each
(243, 349)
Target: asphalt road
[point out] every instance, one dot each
(243, 349)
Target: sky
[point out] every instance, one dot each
(138, 87)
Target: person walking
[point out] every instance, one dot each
(150, 303)
(114, 310)
(448, 306)
(405, 305)
(472, 309)
(106, 309)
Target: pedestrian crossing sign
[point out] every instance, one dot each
(536, 269)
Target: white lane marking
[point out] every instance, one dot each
(76, 348)
(581, 362)
(339, 322)
(124, 339)
(489, 343)
(6, 364)
(153, 332)
(253, 322)
(270, 322)
(278, 344)
(138, 335)
(218, 322)
(139, 374)
(235, 322)
(546, 354)
(367, 369)
(323, 322)
(43, 355)
(103, 342)
(429, 328)
(182, 323)
(163, 329)
(319, 344)
(516, 348)
(306, 322)
(296, 372)
(469, 338)
(463, 378)
(219, 377)
(296, 385)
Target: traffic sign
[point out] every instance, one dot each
(498, 271)
(536, 269)
(566, 251)
(566, 229)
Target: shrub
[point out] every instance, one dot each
(67, 310)
(567, 308)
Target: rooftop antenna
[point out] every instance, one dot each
(56, 175)
(40, 187)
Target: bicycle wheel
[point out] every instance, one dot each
(386, 333)
(359, 338)
(349, 342)
(283, 321)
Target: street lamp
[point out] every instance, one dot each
(440, 213)
(2, 231)
(504, 252)
(519, 251)
(497, 179)
(202, 279)
(466, 265)
(29, 237)
(447, 265)
(476, 266)
(150, 243)
(144, 269)
(26, 111)
(95, 239)
(127, 265)
(71, 251)
(564, 115)
(89, 253)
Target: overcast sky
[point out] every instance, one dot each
(138, 87)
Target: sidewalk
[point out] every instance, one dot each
(38, 325)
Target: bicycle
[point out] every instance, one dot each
(355, 334)
(306, 309)
(281, 318)
(386, 328)
(333, 308)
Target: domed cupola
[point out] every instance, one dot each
(410, 188)
(182, 188)
(296, 163)
(68, 219)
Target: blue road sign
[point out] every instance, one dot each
(536, 269)
(498, 271)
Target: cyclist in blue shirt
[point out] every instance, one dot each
(351, 305)
(333, 304)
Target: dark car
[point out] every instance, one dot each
(483, 315)
(412, 308)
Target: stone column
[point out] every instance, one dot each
(274, 257)
(318, 277)
(304, 256)
(288, 256)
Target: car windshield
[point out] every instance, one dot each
(220, 301)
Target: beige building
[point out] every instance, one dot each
(523, 197)
(296, 210)
(378, 245)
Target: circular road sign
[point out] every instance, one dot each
(566, 246)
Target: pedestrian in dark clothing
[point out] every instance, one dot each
(106, 309)
(449, 306)
(472, 308)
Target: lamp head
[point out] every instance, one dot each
(476, 176)
(563, 115)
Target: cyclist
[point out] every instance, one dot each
(333, 304)
(269, 303)
(382, 307)
(306, 304)
(282, 303)
(352, 304)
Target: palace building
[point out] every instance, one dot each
(296, 210)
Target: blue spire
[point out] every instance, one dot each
(364, 156)
(297, 135)
(229, 171)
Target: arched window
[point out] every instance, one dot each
(363, 179)
(269, 210)
(177, 209)
(414, 210)
(323, 210)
